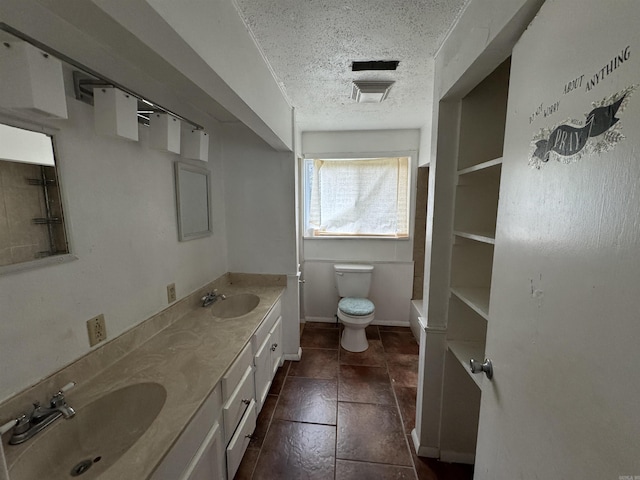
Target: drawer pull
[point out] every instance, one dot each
(249, 436)
(273, 347)
(245, 401)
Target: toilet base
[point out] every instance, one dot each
(354, 339)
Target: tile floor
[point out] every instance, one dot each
(342, 415)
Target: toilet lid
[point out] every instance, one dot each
(356, 306)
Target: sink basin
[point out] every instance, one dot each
(235, 305)
(94, 439)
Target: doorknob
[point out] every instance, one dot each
(486, 367)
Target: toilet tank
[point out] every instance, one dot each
(353, 280)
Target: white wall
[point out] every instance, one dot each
(393, 259)
(120, 208)
(260, 198)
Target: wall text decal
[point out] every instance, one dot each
(569, 140)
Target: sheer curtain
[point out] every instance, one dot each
(360, 197)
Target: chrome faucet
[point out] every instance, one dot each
(212, 297)
(26, 426)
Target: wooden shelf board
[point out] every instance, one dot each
(481, 166)
(475, 297)
(464, 351)
(485, 237)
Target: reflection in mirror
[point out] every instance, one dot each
(31, 218)
(193, 201)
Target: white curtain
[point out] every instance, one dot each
(360, 197)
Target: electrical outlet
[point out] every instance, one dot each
(97, 330)
(171, 292)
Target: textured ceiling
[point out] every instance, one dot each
(310, 45)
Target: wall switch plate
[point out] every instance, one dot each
(171, 292)
(97, 330)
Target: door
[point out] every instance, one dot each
(565, 296)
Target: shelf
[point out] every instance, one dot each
(464, 351)
(475, 297)
(481, 166)
(484, 237)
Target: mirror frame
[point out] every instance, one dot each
(180, 169)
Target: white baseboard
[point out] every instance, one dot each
(294, 357)
(385, 323)
(457, 457)
(424, 450)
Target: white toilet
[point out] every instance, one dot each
(355, 310)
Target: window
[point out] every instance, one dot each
(357, 197)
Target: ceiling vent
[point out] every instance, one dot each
(374, 65)
(364, 91)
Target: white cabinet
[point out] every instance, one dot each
(267, 343)
(208, 463)
(275, 338)
(201, 443)
(213, 444)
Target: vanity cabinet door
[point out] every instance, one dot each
(276, 346)
(263, 374)
(209, 461)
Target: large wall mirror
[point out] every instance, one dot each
(32, 224)
(193, 200)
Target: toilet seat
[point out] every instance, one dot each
(356, 307)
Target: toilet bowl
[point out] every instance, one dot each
(355, 311)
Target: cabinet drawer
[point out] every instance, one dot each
(234, 375)
(238, 402)
(262, 374)
(265, 327)
(240, 441)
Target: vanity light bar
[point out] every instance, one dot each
(91, 75)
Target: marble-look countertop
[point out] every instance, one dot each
(188, 358)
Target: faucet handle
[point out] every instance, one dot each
(66, 388)
(21, 424)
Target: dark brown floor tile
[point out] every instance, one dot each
(433, 469)
(407, 360)
(278, 379)
(364, 384)
(407, 402)
(308, 400)
(347, 470)
(316, 363)
(372, 356)
(372, 332)
(403, 376)
(320, 338)
(263, 421)
(297, 451)
(322, 325)
(245, 470)
(371, 433)
(399, 342)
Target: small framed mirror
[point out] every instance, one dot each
(193, 201)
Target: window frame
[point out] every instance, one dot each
(412, 156)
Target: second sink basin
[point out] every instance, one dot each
(235, 305)
(97, 436)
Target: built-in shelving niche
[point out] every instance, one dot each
(477, 189)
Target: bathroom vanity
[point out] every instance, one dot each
(216, 372)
